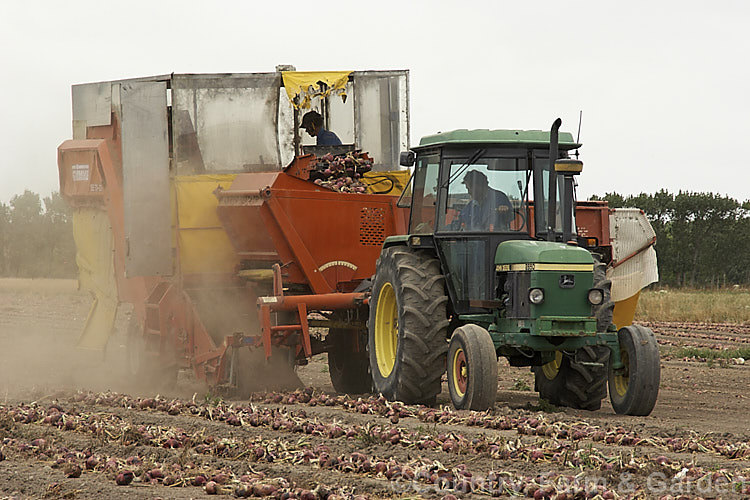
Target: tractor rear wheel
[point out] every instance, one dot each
(577, 380)
(633, 391)
(408, 326)
(472, 369)
(349, 368)
(603, 312)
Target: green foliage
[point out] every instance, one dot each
(520, 385)
(212, 399)
(702, 239)
(706, 353)
(36, 242)
(544, 406)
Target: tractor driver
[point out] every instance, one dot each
(488, 210)
(312, 122)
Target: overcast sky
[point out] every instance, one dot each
(664, 86)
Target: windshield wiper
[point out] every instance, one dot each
(477, 155)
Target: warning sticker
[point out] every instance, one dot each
(80, 173)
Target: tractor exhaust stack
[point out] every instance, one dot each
(552, 206)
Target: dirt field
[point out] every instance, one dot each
(71, 427)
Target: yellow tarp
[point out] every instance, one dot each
(302, 86)
(203, 244)
(96, 274)
(391, 182)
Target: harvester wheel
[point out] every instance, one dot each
(634, 390)
(408, 326)
(349, 369)
(577, 380)
(144, 366)
(256, 373)
(472, 369)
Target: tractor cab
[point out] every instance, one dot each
(491, 263)
(475, 189)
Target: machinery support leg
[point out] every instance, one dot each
(302, 310)
(265, 325)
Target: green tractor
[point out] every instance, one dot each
(492, 265)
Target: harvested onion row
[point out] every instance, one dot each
(125, 471)
(297, 422)
(524, 425)
(420, 473)
(106, 426)
(738, 331)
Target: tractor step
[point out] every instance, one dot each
(592, 364)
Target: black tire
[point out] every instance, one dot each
(472, 369)
(145, 367)
(577, 380)
(349, 368)
(604, 312)
(634, 392)
(408, 326)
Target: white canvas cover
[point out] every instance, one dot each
(633, 255)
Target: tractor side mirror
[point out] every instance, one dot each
(407, 158)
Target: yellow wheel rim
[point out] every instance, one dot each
(459, 372)
(622, 380)
(386, 330)
(552, 368)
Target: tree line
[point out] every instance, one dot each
(36, 237)
(702, 239)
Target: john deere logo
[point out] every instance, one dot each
(567, 281)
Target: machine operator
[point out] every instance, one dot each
(312, 122)
(488, 210)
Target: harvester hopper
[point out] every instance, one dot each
(181, 209)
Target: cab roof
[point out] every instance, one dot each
(459, 137)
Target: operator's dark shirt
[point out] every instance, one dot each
(327, 138)
(485, 216)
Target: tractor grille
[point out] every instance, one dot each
(372, 226)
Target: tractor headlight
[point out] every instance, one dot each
(536, 296)
(596, 296)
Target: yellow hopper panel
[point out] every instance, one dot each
(625, 311)
(96, 274)
(203, 244)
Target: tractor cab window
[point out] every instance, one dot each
(424, 195)
(543, 170)
(486, 195)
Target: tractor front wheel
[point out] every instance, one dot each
(472, 369)
(576, 380)
(408, 326)
(633, 389)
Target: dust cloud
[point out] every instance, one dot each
(42, 319)
(40, 322)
